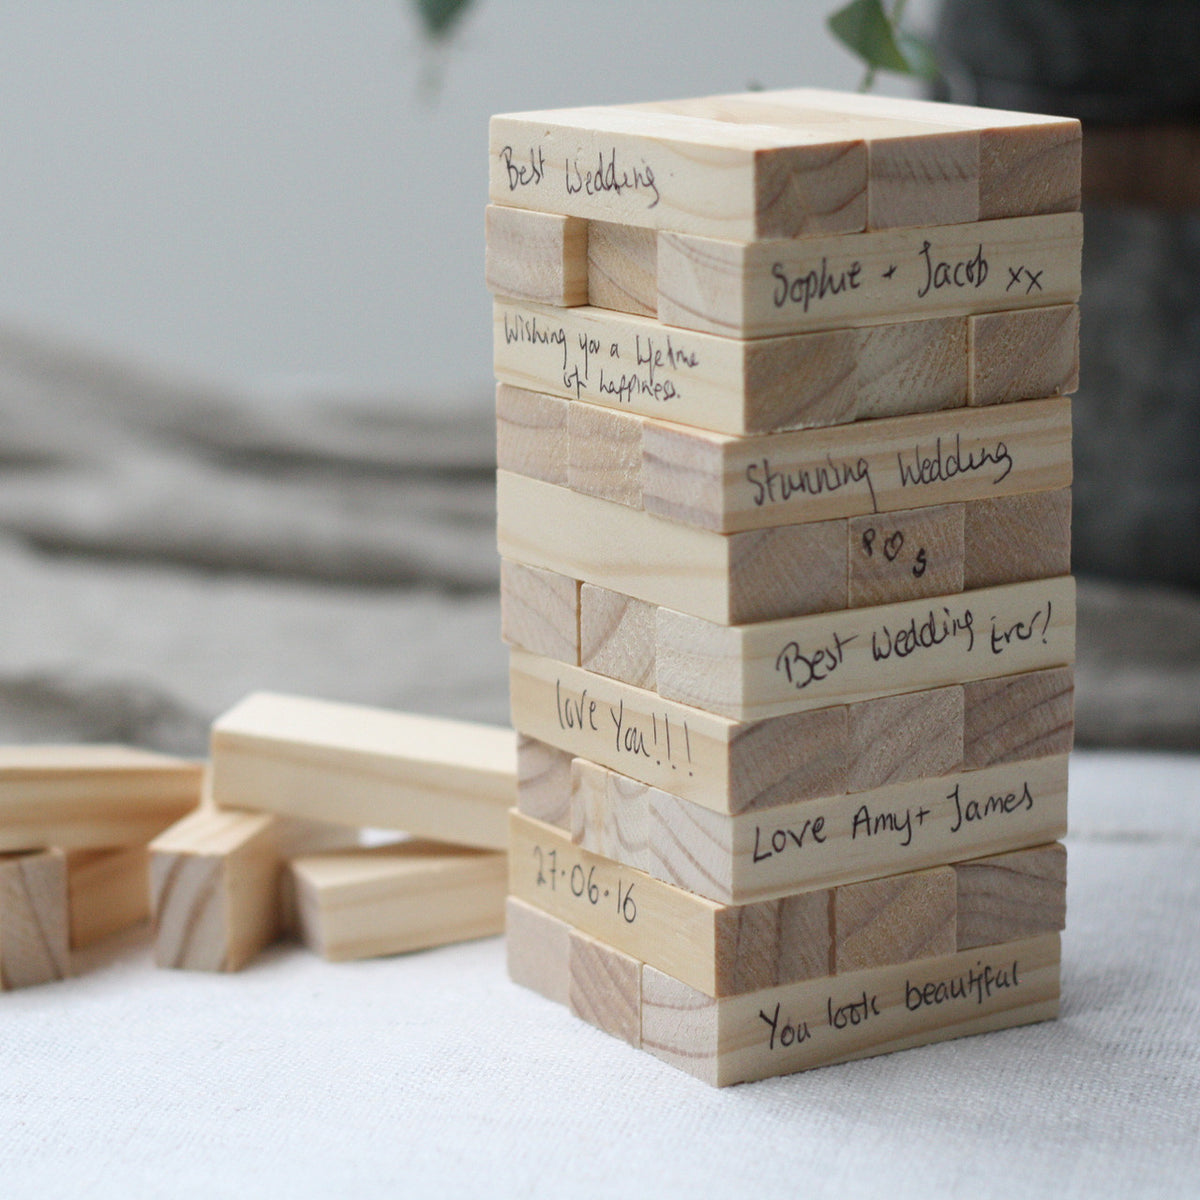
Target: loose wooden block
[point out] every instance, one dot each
(771, 288)
(536, 256)
(539, 611)
(538, 948)
(366, 903)
(900, 919)
(543, 782)
(531, 434)
(817, 1022)
(109, 890)
(750, 672)
(1017, 537)
(757, 575)
(34, 925)
(366, 767)
(666, 171)
(912, 366)
(81, 797)
(910, 736)
(610, 814)
(894, 464)
(616, 635)
(1010, 896)
(604, 450)
(605, 987)
(1025, 354)
(1018, 717)
(215, 885)
(906, 555)
(622, 268)
(725, 765)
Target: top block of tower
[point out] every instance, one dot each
(785, 164)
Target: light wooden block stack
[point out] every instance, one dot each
(784, 451)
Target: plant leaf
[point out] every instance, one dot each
(920, 55)
(440, 16)
(865, 29)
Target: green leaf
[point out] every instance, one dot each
(440, 16)
(865, 29)
(920, 55)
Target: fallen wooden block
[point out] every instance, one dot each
(215, 885)
(770, 288)
(531, 434)
(539, 611)
(1024, 354)
(1009, 896)
(537, 947)
(366, 767)
(543, 782)
(34, 922)
(109, 891)
(1018, 716)
(366, 903)
(621, 268)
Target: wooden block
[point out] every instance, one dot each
(906, 555)
(817, 1022)
(894, 464)
(34, 925)
(1024, 354)
(537, 946)
(1018, 717)
(770, 288)
(604, 450)
(536, 256)
(666, 171)
(910, 736)
(539, 611)
(80, 797)
(531, 434)
(749, 672)
(616, 635)
(775, 941)
(605, 987)
(610, 814)
(543, 782)
(912, 366)
(622, 268)
(758, 575)
(1010, 896)
(722, 764)
(1017, 537)
(900, 919)
(109, 890)
(215, 885)
(366, 767)
(367, 903)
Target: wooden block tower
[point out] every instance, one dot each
(784, 513)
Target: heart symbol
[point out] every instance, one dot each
(892, 545)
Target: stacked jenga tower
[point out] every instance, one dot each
(784, 459)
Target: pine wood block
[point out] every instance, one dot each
(90, 796)
(716, 948)
(666, 171)
(1009, 896)
(34, 922)
(910, 736)
(893, 464)
(605, 987)
(610, 814)
(366, 767)
(635, 364)
(880, 922)
(750, 672)
(539, 611)
(906, 555)
(622, 268)
(215, 888)
(1024, 354)
(752, 576)
(767, 853)
(536, 256)
(772, 288)
(1017, 537)
(538, 948)
(367, 903)
(616, 635)
(877, 1011)
(531, 434)
(1018, 717)
(543, 782)
(604, 453)
(724, 765)
(912, 366)
(109, 890)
